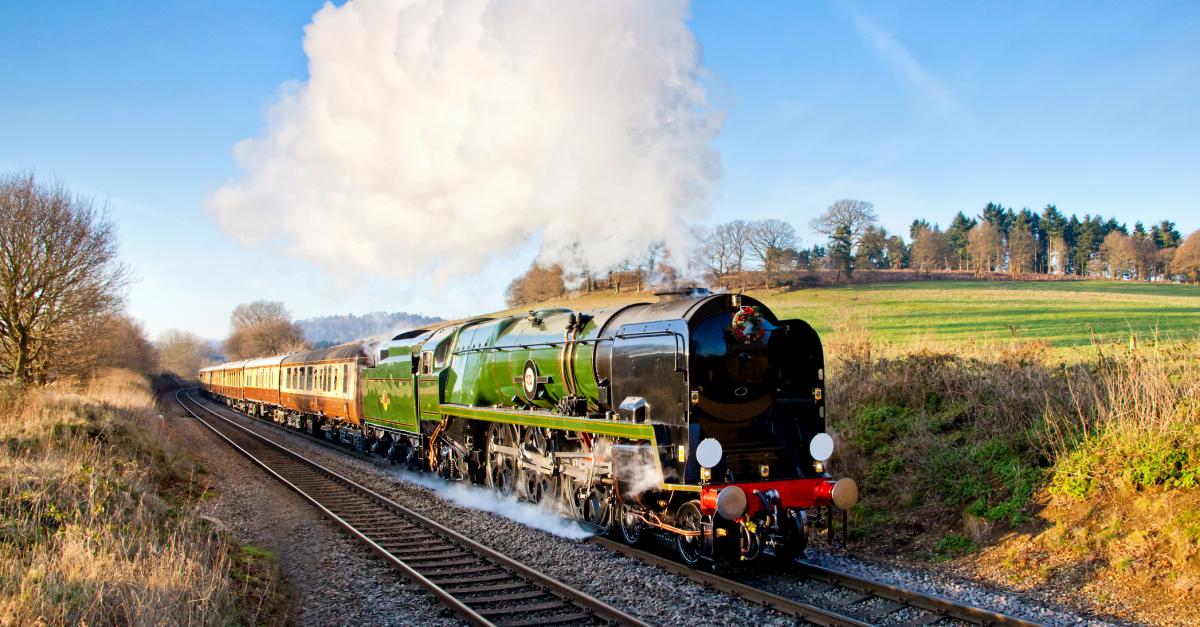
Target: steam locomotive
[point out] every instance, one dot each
(699, 418)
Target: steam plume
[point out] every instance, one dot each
(432, 136)
(472, 497)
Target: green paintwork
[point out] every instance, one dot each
(400, 412)
(613, 428)
(393, 377)
(476, 368)
(490, 357)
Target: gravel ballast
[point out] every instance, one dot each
(333, 579)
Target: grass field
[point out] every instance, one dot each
(1063, 314)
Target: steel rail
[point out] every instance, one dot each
(414, 557)
(792, 607)
(937, 608)
(911, 598)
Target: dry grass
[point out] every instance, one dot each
(97, 522)
(1077, 474)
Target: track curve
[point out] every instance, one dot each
(477, 583)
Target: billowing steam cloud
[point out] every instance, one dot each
(433, 135)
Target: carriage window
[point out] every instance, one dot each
(345, 375)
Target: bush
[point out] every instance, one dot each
(935, 437)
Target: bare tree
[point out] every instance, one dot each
(716, 251)
(848, 215)
(60, 277)
(985, 247)
(120, 342)
(1164, 262)
(772, 242)
(1145, 258)
(930, 249)
(1117, 252)
(1187, 258)
(260, 329)
(538, 284)
(737, 233)
(183, 354)
(1021, 249)
(257, 312)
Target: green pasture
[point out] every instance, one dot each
(1064, 314)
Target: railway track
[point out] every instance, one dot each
(479, 584)
(861, 602)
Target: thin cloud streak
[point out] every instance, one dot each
(895, 53)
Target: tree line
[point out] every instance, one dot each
(997, 240)
(62, 293)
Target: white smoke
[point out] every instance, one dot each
(435, 135)
(484, 499)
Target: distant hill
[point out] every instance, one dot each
(327, 331)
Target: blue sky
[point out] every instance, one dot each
(921, 108)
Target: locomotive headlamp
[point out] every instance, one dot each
(818, 467)
(821, 447)
(706, 474)
(708, 453)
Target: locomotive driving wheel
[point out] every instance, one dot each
(502, 465)
(688, 519)
(597, 509)
(535, 484)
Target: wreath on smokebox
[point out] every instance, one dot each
(748, 324)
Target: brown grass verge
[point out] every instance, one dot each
(98, 523)
(1014, 466)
